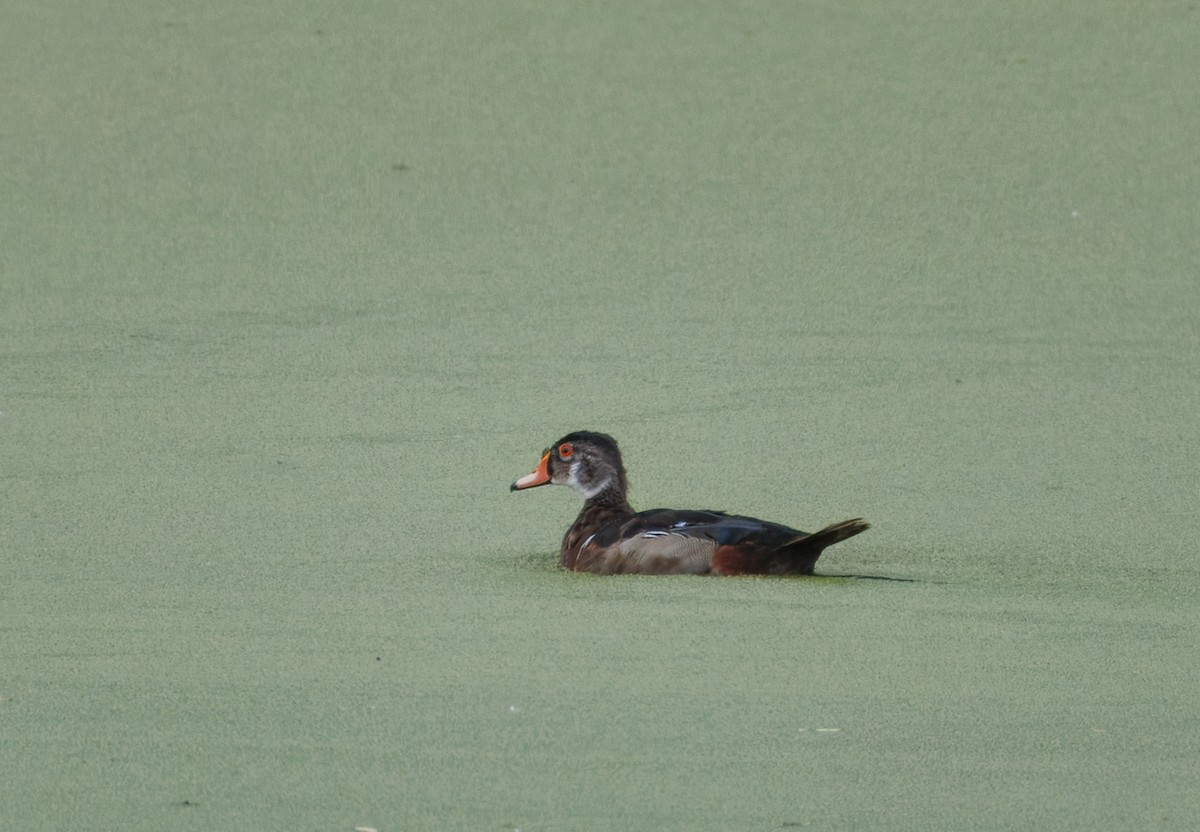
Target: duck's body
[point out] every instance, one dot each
(610, 538)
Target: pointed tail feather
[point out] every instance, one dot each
(836, 533)
(800, 556)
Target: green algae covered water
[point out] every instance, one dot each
(290, 294)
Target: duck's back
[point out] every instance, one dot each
(672, 541)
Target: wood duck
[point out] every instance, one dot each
(609, 537)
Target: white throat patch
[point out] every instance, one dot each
(587, 492)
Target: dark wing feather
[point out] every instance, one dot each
(724, 529)
(664, 541)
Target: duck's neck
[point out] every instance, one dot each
(611, 498)
(609, 506)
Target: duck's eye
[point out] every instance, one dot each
(565, 451)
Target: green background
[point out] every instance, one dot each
(290, 292)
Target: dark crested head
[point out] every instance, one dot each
(587, 461)
(600, 443)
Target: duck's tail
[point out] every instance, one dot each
(801, 554)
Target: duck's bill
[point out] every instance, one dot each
(540, 475)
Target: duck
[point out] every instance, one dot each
(610, 538)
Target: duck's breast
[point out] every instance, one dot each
(660, 542)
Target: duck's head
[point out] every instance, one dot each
(588, 462)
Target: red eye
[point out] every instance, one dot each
(565, 451)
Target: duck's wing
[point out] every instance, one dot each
(671, 541)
